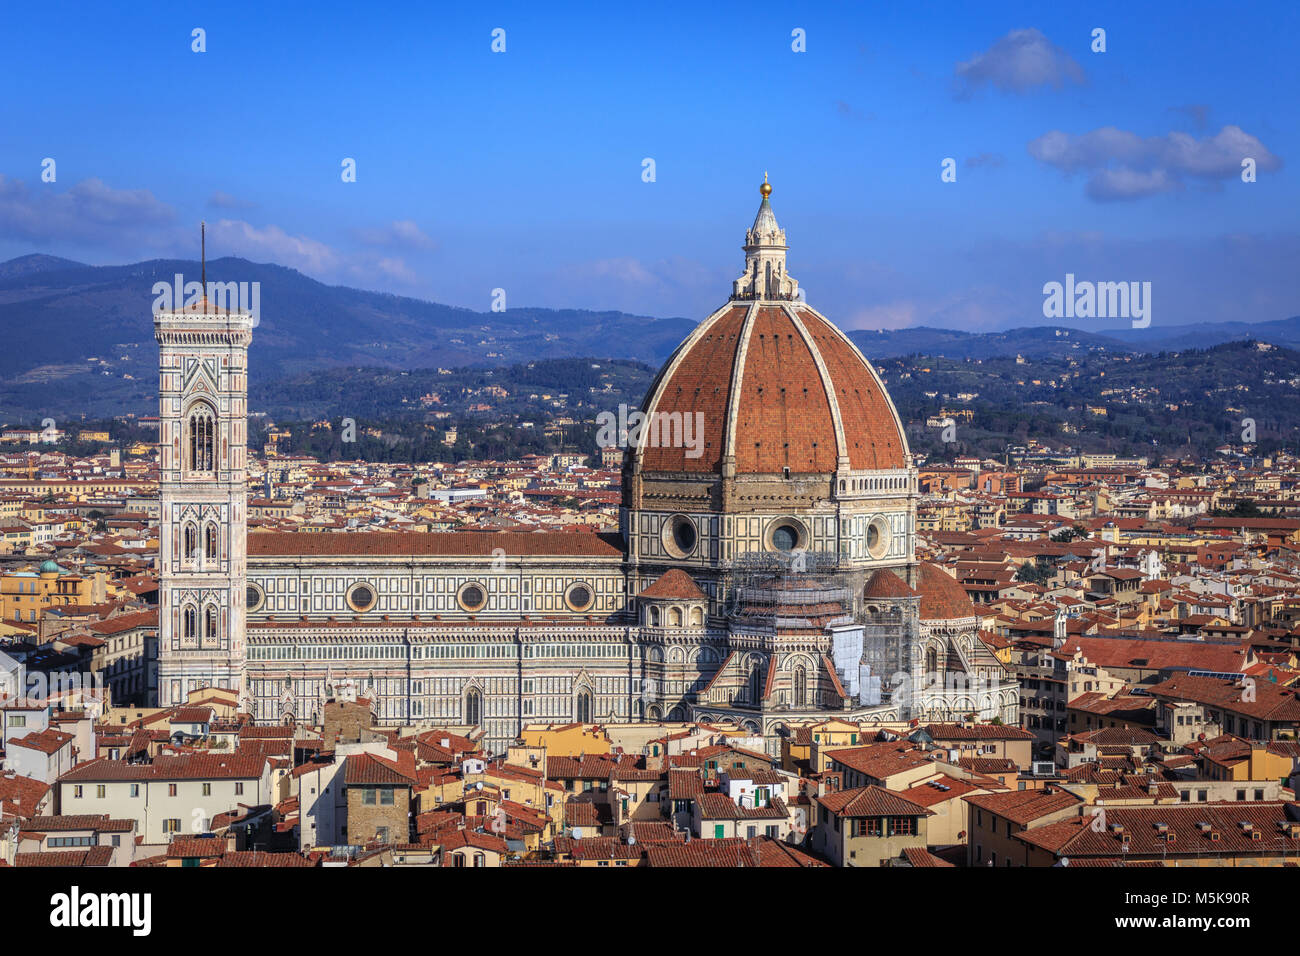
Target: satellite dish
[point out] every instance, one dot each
(1065, 861)
(479, 785)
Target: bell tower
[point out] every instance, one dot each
(203, 422)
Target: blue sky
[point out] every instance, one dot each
(523, 170)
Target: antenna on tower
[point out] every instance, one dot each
(203, 262)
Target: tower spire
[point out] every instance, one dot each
(765, 276)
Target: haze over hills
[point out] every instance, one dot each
(79, 338)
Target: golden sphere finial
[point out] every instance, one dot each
(766, 188)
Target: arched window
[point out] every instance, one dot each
(480, 860)
(697, 617)
(584, 707)
(932, 662)
(800, 686)
(210, 624)
(200, 439)
(674, 617)
(473, 708)
(755, 685)
(210, 542)
(654, 617)
(190, 543)
(189, 622)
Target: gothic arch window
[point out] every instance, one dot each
(584, 707)
(800, 686)
(210, 542)
(932, 661)
(189, 622)
(210, 624)
(190, 541)
(755, 685)
(474, 708)
(201, 439)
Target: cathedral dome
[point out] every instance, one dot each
(771, 384)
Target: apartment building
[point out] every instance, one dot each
(173, 795)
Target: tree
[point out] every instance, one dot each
(1034, 573)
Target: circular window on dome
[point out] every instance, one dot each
(579, 597)
(786, 534)
(877, 538)
(253, 597)
(361, 597)
(679, 536)
(472, 597)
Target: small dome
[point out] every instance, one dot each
(942, 597)
(51, 567)
(887, 584)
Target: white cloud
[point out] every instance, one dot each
(1124, 165)
(89, 212)
(400, 233)
(1019, 61)
(272, 244)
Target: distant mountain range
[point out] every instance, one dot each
(79, 338)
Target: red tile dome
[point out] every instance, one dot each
(942, 597)
(776, 386)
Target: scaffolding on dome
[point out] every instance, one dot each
(788, 571)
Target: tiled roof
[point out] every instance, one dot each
(1023, 807)
(880, 761)
(729, 852)
(367, 769)
(449, 543)
(262, 859)
(99, 822)
(1270, 702)
(1192, 826)
(126, 622)
(185, 767)
(871, 802)
(87, 856)
(920, 857)
(471, 838)
(674, 584)
(190, 847)
(20, 796)
(1115, 652)
(976, 732)
(48, 741)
